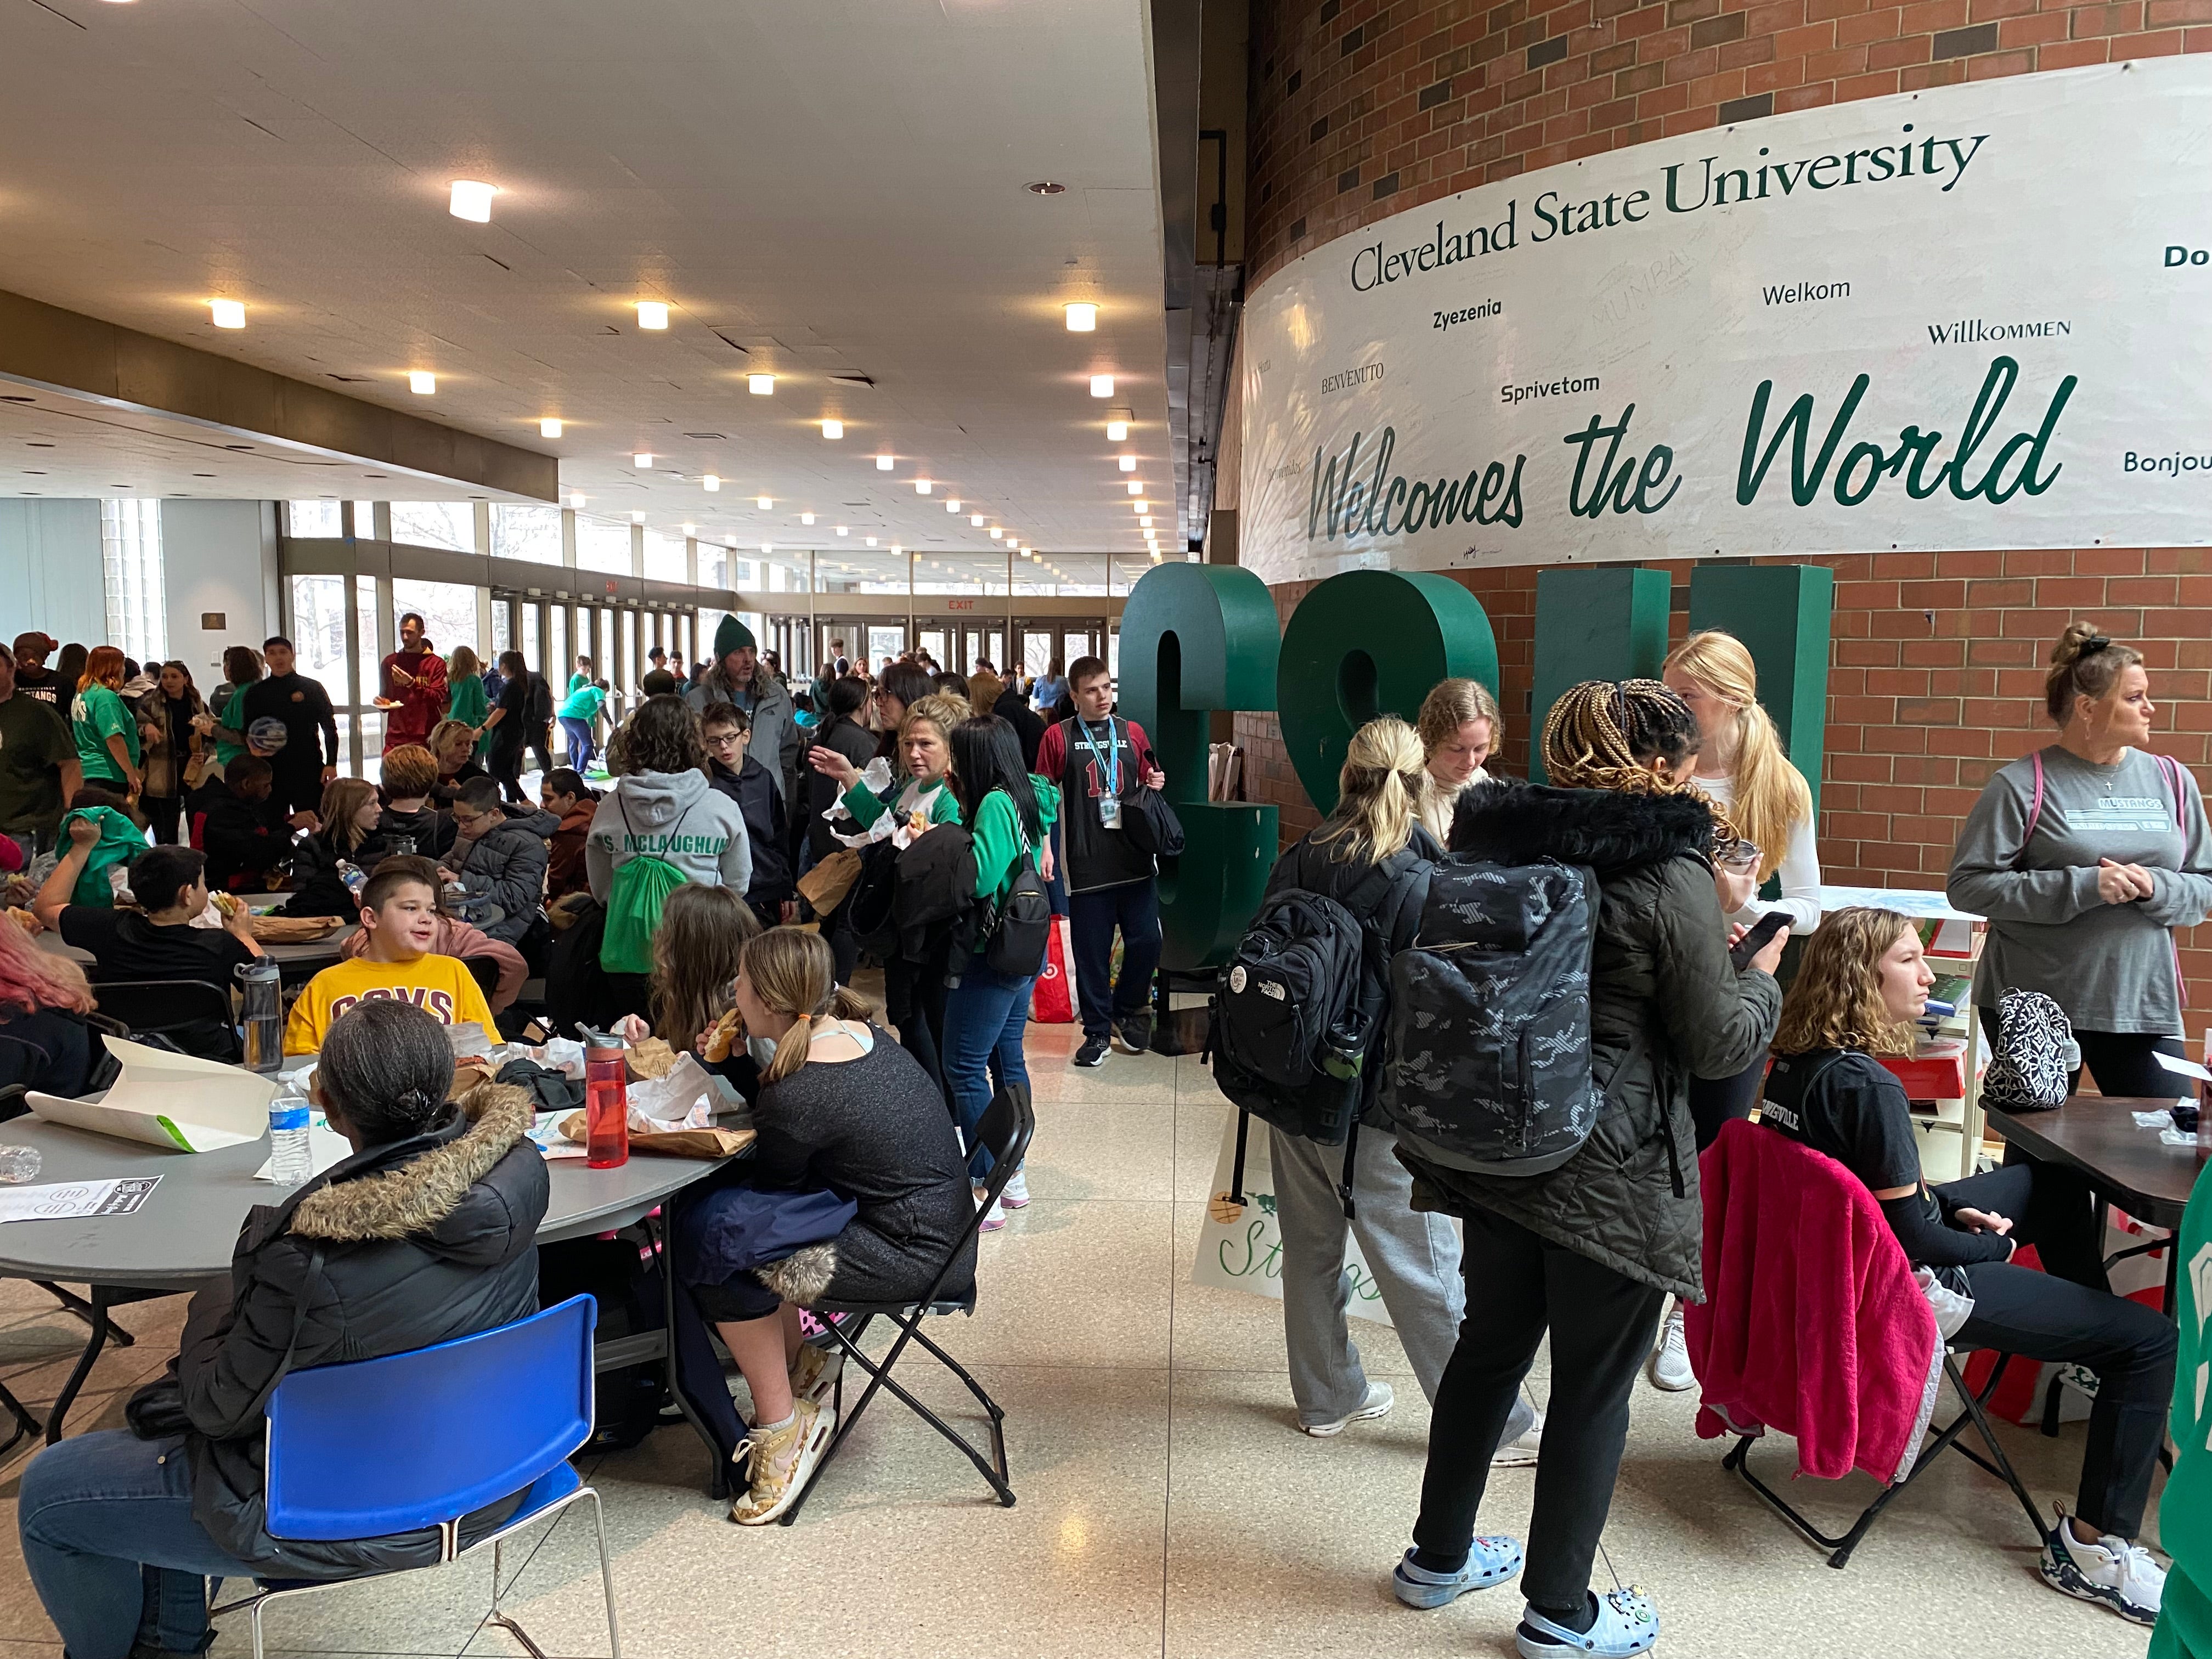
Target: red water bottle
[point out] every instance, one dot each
(606, 1106)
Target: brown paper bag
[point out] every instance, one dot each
(825, 885)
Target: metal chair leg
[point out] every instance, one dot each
(72, 1302)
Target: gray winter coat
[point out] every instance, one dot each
(775, 741)
(1660, 966)
(506, 863)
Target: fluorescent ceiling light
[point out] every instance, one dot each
(1128, 463)
(806, 517)
(896, 548)
(763, 503)
(642, 461)
(885, 463)
(1117, 425)
(1136, 486)
(652, 314)
(472, 200)
(1141, 507)
(1146, 521)
(761, 386)
(996, 533)
(1101, 385)
(578, 499)
(977, 519)
(549, 428)
(832, 428)
(1082, 318)
(921, 486)
(952, 505)
(710, 484)
(227, 314)
(844, 530)
(872, 541)
(422, 382)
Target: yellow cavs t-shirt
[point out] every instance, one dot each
(441, 987)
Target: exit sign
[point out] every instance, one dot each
(960, 604)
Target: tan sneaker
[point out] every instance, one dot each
(780, 1461)
(814, 1373)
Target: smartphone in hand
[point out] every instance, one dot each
(1754, 941)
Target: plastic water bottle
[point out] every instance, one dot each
(290, 1163)
(19, 1164)
(354, 876)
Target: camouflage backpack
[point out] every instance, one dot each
(1489, 1065)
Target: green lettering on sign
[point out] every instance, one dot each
(1606, 622)
(1370, 642)
(1196, 638)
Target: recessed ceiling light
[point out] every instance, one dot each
(710, 484)
(472, 200)
(1082, 318)
(806, 517)
(976, 519)
(1117, 425)
(885, 463)
(549, 428)
(227, 314)
(422, 382)
(996, 533)
(833, 430)
(1141, 507)
(637, 518)
(690, 529)
(652, 314)
(1128, 463)
(642, 461)
(921, 486)
(578, 499)
(896, 548)
(1136, 486)
(761, 386)
(1101, 385)
(763, 503)
(872, 541)
(1048, 187)
(768, 547)
(844, 530)
(1146, 521)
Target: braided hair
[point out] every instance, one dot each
(1602, 734)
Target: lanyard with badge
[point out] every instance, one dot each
(1109, 769)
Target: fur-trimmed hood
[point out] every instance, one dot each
(1511, 822)
(437, 1188)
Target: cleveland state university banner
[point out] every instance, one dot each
(1979, 316)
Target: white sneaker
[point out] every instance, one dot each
(1670, 1360)
(997, 1217)
(1015, 1195)
(2113, 1573)
(1378, 1404)
(1520, 1452)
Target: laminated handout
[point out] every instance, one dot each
(165, 1099)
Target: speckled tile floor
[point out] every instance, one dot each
(1167, 1508)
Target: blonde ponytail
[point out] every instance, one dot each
(795, 974)
(1378, 792)
(1771, 796)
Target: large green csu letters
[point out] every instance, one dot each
(1194, 638)
(1604, 623)
(1781, 612)
(1371, 643)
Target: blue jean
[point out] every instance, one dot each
(1134, 908)
(112, 1547)
(985, 1015)
(579, 741)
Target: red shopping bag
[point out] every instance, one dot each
(1050, 1002)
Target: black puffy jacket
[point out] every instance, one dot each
(1659, 967)
(399, 1247)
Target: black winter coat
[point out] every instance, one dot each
(857, 744)
(753, 787)
(1029, 729)
(1389, 916)
(506, 863)
(1660, 966)
(873, 1130)
(399, 1247)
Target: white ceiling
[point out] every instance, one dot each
(835, 185)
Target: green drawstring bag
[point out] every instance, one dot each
(120, 841)
(636, 899)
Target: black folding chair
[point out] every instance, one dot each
(1007, 1126)
(165, 1008)
(1972, 1416)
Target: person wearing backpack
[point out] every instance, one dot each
(660, 825)
(1587, 1241)
(1007, 811)
(2085, 856)
(1370, 859)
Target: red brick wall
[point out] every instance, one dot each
(1935, 681)
(1360, 109)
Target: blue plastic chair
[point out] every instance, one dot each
(411, 1440)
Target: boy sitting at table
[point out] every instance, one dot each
(400, 918)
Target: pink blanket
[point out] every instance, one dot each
(1811, 1322)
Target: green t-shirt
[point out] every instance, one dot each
(96, 714)
(471, 704)
(583, 702)
(229, 715)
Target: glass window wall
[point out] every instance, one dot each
(448, 609)
(450, 525)
(532, 534)
(663, 557)
(313, 518)
(601, 545)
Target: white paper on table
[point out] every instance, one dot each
(678, 1100)
(60, 1200)
(326, 1149)
(2187, 1067)
(164, 1099)
(545, 1135)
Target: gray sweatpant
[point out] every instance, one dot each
(1414, 1257)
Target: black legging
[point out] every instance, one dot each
(505, 765)
(160, 813)
(2068, 1313)
(914, 1002)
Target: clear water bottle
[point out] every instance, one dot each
(19, 1164)
(262, 1016)
(290, 1163)
(354, 876)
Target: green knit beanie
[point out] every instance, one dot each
(733, 636)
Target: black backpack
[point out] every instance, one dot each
(1150, 824)
(537, 703)
(1299, 1007)
(1489, 1067)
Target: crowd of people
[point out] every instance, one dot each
(757, 844)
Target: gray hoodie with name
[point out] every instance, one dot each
(675, 816)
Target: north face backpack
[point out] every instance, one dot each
(1489, 1067)
(2035, 1050)
(635, 899)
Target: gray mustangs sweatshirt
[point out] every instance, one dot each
(675, 816)
(2110, 966)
